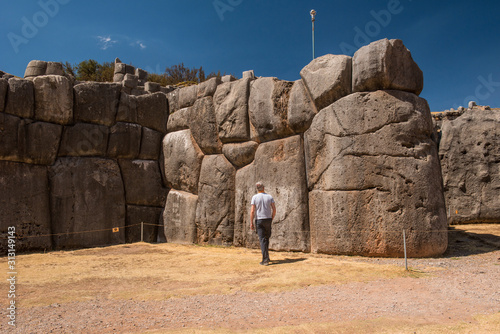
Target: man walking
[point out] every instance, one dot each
(264, 210)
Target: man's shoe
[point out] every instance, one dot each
(264, 263)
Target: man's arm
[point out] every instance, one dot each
(274, 209)
(252, 216)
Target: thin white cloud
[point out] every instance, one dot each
(139, 44)
(105, 42)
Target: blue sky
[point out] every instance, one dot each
(455, 43)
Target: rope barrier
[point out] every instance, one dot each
(329, 231)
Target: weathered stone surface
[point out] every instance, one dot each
(118, 77)
(328, 78)
(374, 171)
(96, 102)
(386, 64)
(240, 154)
(4, 86)
(86, 195)
(24, 204)
(231, 111)
(150, 144)
(35, 68)
(470, 159)
(12, 137)
(215, 210)
(53, 99)
(120, 68)
(84, 139)
(179, 120)
(141, 74)
(152, 111)
(268, 108)
(124, 140)
(20, 98)
(187, 96)
(228, 78)
(173, 100)
(204, 127)
(279, 165)
(127, 108)
(248, 74)
(152, 87)
(142, 214)
(54, 68)
(42, 142)
(301, 110)
(182, 161)
(179, 217)
(208, 87)
(130, 82)
(143, 183)
(23, 140)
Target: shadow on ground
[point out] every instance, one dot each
(464, 243)
(286, 261)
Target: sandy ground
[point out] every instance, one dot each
(457, 293)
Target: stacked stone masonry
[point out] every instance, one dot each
(349, 152)
(79, 162)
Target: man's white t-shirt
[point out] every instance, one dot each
(262, 202)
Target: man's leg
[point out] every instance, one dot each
(263, 239)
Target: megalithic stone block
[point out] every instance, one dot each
(87, 194)
(53, 99)
(386, 64)
(20, 98)
(328, 78)
(179, 217)
(96, 102)
(373, 170)
(215, 210)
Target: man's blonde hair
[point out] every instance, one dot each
(260, 186)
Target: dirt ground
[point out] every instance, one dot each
(144, 288)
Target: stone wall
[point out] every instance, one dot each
(78, 157)
(349, 153)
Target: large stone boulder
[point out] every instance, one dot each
(179, 217)
(23, 140)
(143, 183)
(386, 64)
(53, 99)
(150, 144)
(240, 154)
(179, 120)
(187, 96)
(96, 102)
(25, 205)
(374, 172)
(328, 78)
(268, 108)
(231, 111)
(4, 86)
(87, 202)
(127, 108)
(20, 98)
(152, 111)
(208, 87)
(149, 217)
(124, 140)
(182, 161)
(279, 165)
(84, 139)
(204, 127)
(35, 68)
(215, 210)
(470, 159)
(301, 109)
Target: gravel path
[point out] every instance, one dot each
(457, 289)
